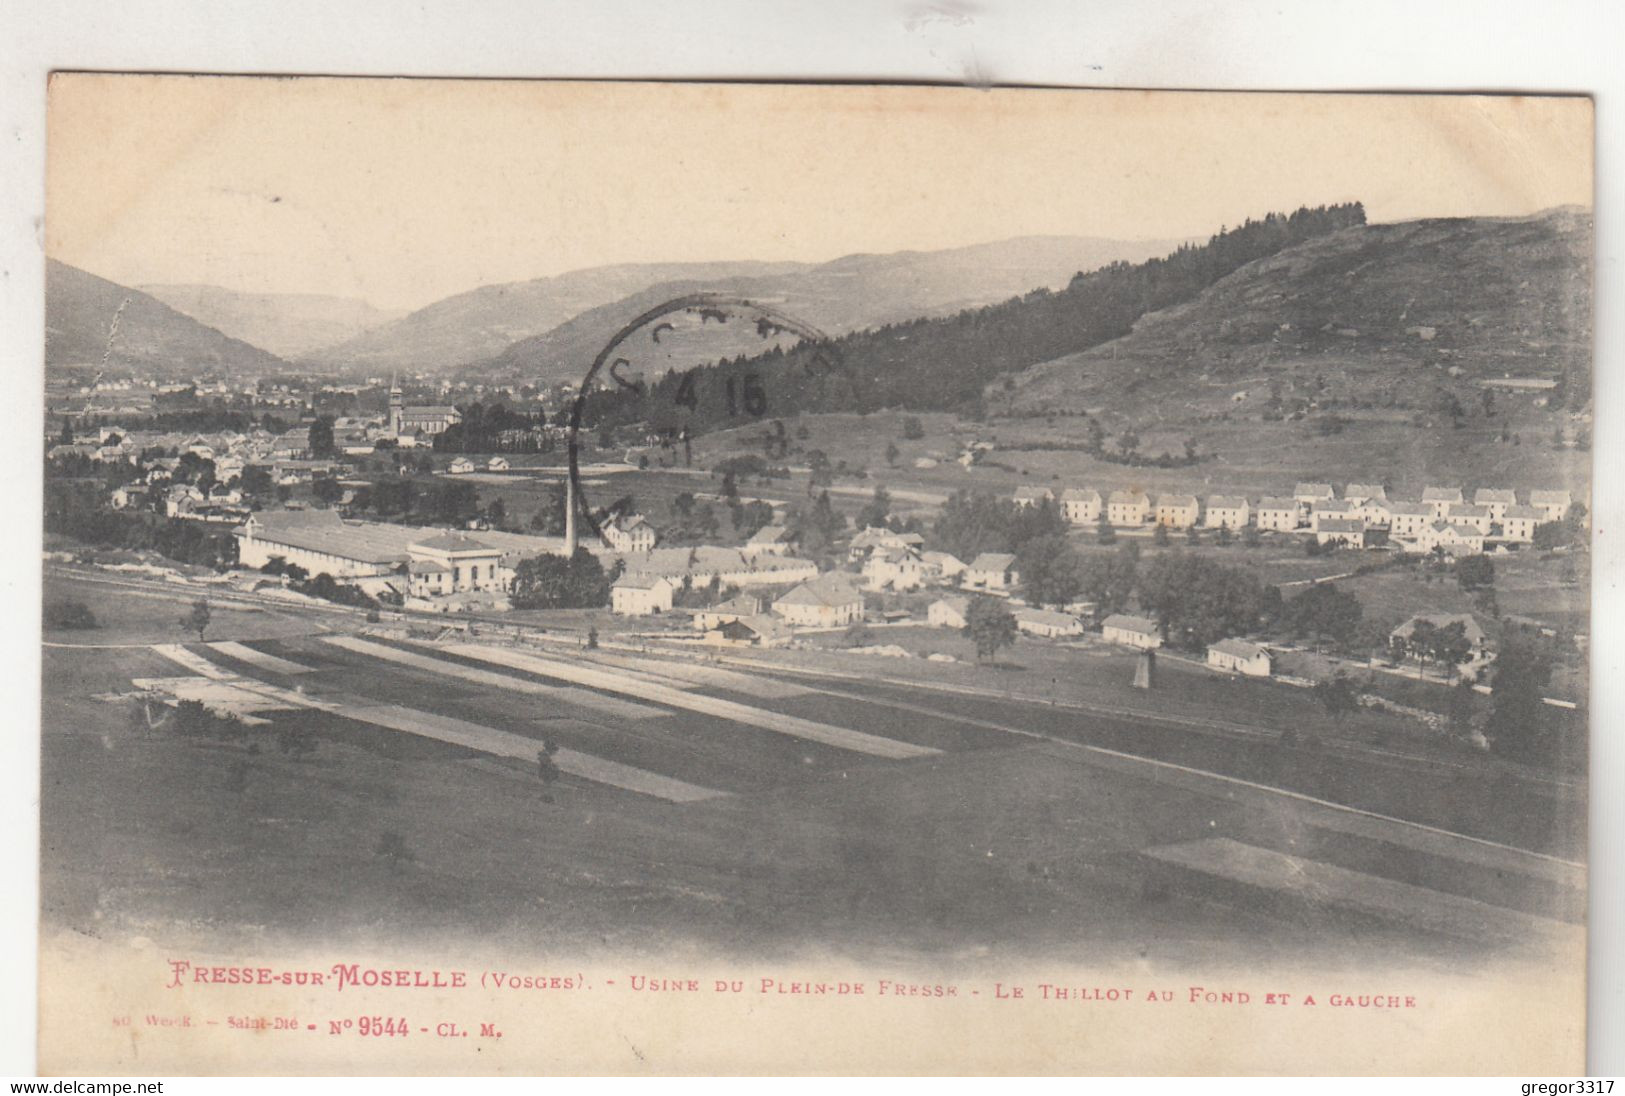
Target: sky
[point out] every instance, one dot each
(401, 192)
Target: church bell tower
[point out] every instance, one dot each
(397, 405)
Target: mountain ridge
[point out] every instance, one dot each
(92, 321)
(286, 324)
(852, 292)
(479, 323)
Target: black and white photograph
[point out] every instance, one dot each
(608, 577)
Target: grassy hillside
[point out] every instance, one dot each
(90, 321)
(1388, 319)
(287, 324)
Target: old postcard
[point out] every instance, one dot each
(679, 578)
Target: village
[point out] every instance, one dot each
(288, 501)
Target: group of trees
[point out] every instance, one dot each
(449, 502)
(746, 466)
(692, 519)
(698, 520)
(323, 585)
(1126, 450)
(745, 517)
(1429, 643)
(1323, 612)
(1197, 601)
(556, 582)
(975, 522)
(1520, 725)
(496, 429)
(815, 527)
(213, 419)
(1571, 531)
(77, 510)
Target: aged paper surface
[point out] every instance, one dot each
(635, 578)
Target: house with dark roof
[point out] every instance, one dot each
(1471, 629)
(828, 601)
(751, 631)
(1348, 532)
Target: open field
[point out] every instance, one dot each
(1089, 673)
(154, 615)
(1247, 457)
(989, 826)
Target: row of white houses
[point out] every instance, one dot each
(1315, 508)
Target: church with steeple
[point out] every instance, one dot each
(419, 420)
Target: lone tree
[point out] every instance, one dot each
(1520, 725)
(326, 489)
(858, 634)
(69, 613)
(1336, 695)
(1475, 572)
(1049, 570)
(990, 626)
(1323, 611)
(198, 619)
(321, 437)
(547, 770)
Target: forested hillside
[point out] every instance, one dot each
(848, 294)
(945, 362)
